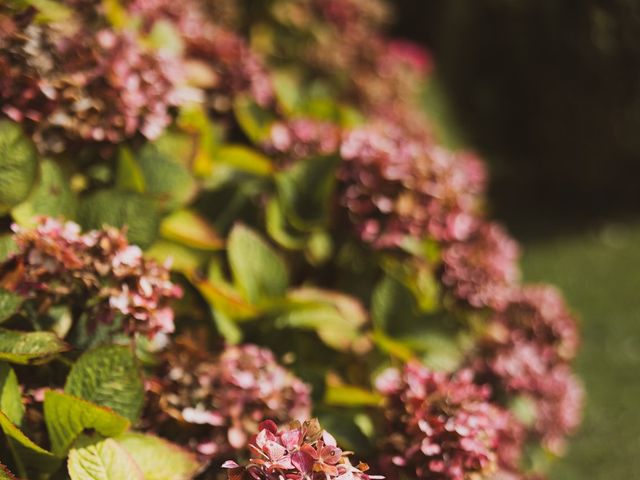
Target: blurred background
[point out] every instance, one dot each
(549, 93)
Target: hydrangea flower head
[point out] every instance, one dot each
(79, 82)
(395, 185)
(482, 270)
(98, 272)
(224, 398)
(441, 426)
(300, 452)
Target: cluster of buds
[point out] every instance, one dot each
(526, 352)
(217, 403)
(98, 273)
(301, 452)
(69, 83)
(394, 186)
(303, 137)
(444, 427)
(482, 270)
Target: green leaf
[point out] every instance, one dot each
(51, 197)
(257, 269)
(119, 209)
(67, 417)
(95, 458)
(5, 474)
(222, 297)
(351, 396)
(18, 165)
(29, 347)
(305, 191)
(7, 246)
(245, 159)
(255, 121)
(158, 458)
(129, 175)
(10, 397)
(335, 317)
(166, 179)
(279, 229)
(29, 456)
(108, 376)
(392, 305)
(9, 304)
(191, 229)
(51, 11)
(183, 259)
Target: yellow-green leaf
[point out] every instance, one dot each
(245, 159)
(29, 347)
(67, 417)
(159, 459)
(191, 229)
(95, 458)
(10, 396)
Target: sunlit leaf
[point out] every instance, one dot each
(95, 458)
(67, 417)
(108, 376)
(29, 347)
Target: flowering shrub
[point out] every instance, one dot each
(219, 221)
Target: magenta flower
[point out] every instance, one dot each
(526, 352)
(441, 426)
(303, 137)
(97, 272)
(223, 399)
(75, 83)
(301, 452)
(482, 270)
(395, 186)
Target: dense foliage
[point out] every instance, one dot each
(226, 219)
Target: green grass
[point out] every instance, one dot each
(599, 273)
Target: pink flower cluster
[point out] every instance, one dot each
(303, 137)
(444, 427)
(219, 60)
(482, 270)
(225, 398)
(98, 273)
(301, 452)
(527, 351)
(69, 82)
(394, 186)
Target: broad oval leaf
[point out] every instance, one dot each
(95, 458)
(10, 396)
(29, 347)
(165, 179)
(121, 209)
(245, 159)
(306, 190)
(351, 396)
(257, 269)
(18, 165)
(190, 229)
(159, 459)
(52, 196)
(9, 304)
(67, 417)
(108, 376)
